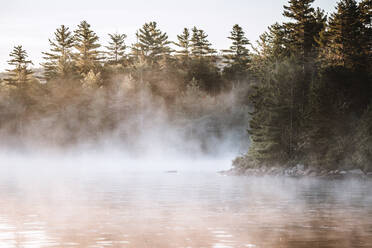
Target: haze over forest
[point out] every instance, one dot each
(303, 91)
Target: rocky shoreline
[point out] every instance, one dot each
(298, 171)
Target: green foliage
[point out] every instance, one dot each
(200, 46)
(309, 80)
(116, 48)
(303, 30)
(276, 116)
(365, 7)
(206, 74)
(20, 74)
(59, 60)
(273, 45)
(92, 80)
(344, 41)
(362, 141)
(86, 43)
(184, 42)
(152, 44)
(310, 102)
(237, 58)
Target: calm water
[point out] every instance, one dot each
(78, 206)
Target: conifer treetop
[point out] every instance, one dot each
(152, 43)
(20, 73)
(116, 48)
(58, 62)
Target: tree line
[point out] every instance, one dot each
(79, 55)
(312, 100)
(308, 79)
(87, 89)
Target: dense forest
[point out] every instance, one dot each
(303, 91)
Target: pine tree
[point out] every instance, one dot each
(184, 43)
(200, 46)
(344, 41)
(20, 74)
(273, 45)
(86, 42)
(362, 142)
(116, 48)
(276, 119)
(365, 7)
(59, 59)
(318, 26)
(92, 80)
(306, 26)
(237, 58)
(152, 44)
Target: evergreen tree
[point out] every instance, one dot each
(366, 19)
(206, 74)
(20, 74)
(237, 58)
(277, 42)
(152, 44)
(322, 120)
(86, 43)
(275, 123)
(59, 59)
(273, 45)
(362, 142)
(344, 41)
(200, 46)
(319, 25)
(116, 48)
(184, 43)
(306, 26)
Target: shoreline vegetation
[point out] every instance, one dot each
(298, 171)
(299, 99)
(312, 105)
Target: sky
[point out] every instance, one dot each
(31, 23)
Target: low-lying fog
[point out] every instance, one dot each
(97, 202)
(140, 174)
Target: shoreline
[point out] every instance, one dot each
(298, 171)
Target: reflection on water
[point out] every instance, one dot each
(109, 207)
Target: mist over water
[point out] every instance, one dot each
(78, 205)
(123, 145)
(67, 183)
(112, 194)
(95, 175)
(111, 198)
(92, 174)
(126, 120)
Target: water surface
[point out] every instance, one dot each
(82, 206)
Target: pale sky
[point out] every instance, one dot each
(31, 22)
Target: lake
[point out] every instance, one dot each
(110, 206)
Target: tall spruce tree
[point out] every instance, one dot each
(184, 43)
(279, 41)
(273, 45)
(275, 123)
(59, 59)
(20, 74)
(86, 43)
(366, 18)
(116, 48)
(200, 46)
(152, 44)
(344, 40)
(304, 28)
(237, 57)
